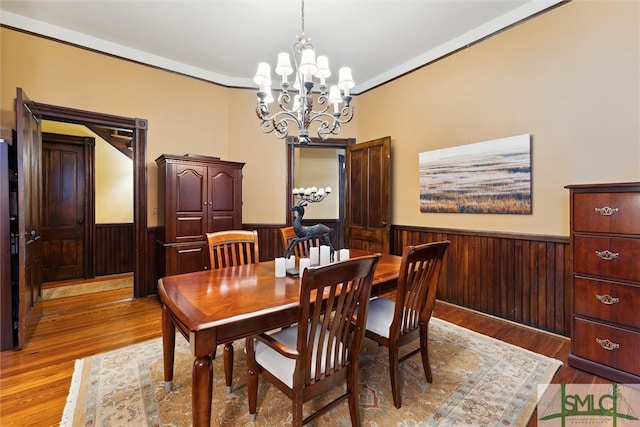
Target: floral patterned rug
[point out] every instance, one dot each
(478, 381)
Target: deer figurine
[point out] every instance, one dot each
(318, 231)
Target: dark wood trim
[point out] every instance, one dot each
(494, 234)
(6, 239)
(292, 144)
(143, 283)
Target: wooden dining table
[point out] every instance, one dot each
(213, 307)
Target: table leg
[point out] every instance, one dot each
(201, 391)
(228, 365)
(168, 347)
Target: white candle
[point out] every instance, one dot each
(344, 254)
(281, 267)
(314, 255)
(304, 264)
(290, 262)
(325, 254)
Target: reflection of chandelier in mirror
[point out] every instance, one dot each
(299, 110)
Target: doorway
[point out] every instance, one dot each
(143, 275)
(88, 203)
(338, 145)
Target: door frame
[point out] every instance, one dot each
(292, 144)
(142, 283)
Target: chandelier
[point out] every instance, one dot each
(298, 111)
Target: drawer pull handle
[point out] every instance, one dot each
(608, 255)
(606, 211)
(607, 345)
(607, 299)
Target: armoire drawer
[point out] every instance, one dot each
(607, 345)
(608, 301)
(606, 212)
(613, 257)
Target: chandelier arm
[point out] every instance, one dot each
(278, 122)
(324, 129)
(322, 102)
(344, 116)
(280, 129)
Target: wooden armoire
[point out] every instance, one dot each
(196, 195)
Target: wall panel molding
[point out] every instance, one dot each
(518, 277)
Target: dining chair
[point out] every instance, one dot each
(230, 248)
(396, 323)
(321, 351)
(301, 249)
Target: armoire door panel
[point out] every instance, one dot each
(190, 227)
(190, 189)
(222, 192)
(223, 222)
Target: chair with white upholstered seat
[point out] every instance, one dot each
(396, 323)
(321, 351)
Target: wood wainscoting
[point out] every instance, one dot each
(114, 249)
(518, 277)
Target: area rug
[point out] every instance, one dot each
(90, 287)
(478, 381)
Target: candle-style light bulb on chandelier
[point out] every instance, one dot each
(298, 111)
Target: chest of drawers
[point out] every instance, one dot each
(605, 244)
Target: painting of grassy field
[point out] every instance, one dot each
(492, 177)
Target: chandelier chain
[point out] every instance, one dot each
(302, 15)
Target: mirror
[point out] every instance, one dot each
(319, 163)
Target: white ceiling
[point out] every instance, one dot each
(223, 40)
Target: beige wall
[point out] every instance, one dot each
(568, 77)
(184, 115)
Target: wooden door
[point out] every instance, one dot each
(28, 151)
(368, 212)
(66, 251)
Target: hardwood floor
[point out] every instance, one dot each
(34, 382)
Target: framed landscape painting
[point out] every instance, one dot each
(492, 177)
